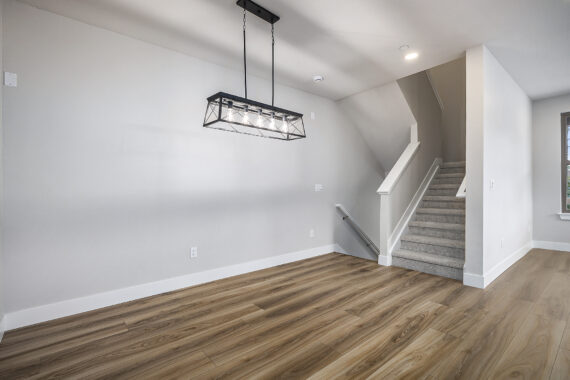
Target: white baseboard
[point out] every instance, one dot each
(482, 281)
(339, 249)
(2, 327)
(385, 260)
(474, 280)
(498, 269)
(552, 245)
(65, 308)
(414, 203)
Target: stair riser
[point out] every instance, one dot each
(436, 204)
(438, 270)
(436, 249)
(436, 232)
(456, 219)
(445, 180)
(442, 191)
(451, 170)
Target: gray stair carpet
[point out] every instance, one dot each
(435, 238)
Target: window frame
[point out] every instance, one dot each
(565, 161)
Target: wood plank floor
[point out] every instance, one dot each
(328, 317)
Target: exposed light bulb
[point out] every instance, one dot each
(284, 126)
(272, 122)
(245, 119)
(230, 111)
(259, 119)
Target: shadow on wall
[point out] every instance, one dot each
(349, 241)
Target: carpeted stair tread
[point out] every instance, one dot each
(451, 262)
(437, 225)
(456, 164)
(442, 211)
(430, 240)
(443, 198)
(450, 175)
(454, 186)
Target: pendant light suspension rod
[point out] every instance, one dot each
(272, 64)
(244, 50)
(232, 113)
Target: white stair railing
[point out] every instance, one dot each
(462, 192)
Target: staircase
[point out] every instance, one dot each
(435, 238)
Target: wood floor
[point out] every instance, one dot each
(333, 316)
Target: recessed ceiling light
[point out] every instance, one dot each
(318, 78)
(411, 56)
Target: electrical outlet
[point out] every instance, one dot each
(312, 233)
(319, 187)
(502, 242)
(492, 184)
(193, 252)
(313, 117)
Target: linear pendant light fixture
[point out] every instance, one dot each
(241, 115)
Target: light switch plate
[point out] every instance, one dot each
(10, 79)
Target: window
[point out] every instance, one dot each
(566, 162)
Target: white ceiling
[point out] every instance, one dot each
(352, 43)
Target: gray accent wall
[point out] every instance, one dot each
(424, 106)
(110, 178)
(546, 162)
(449, 82)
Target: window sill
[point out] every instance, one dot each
(564, 215)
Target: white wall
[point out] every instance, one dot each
(546, 144)
(507, 161)
(380, 112)
(449, 82)
(1, 170)
(474, 84)
(110, 178)
(499, 139)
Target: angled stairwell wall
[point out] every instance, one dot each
(403, 188)
(383, 118)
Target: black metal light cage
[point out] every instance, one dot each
(233, 113)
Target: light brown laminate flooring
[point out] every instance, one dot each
(332, 316)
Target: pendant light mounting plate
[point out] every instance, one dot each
(258, 10)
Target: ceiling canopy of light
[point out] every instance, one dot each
(241, 115)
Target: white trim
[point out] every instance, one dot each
(482, 281)
(385, 260)
(65, 308)
(462, 192)
(564, 215)
(2, 327)
(552, 245)
(339, 249)
(414, 133)
(498, 269)
(414, 203)
(399, 168)
(474, 280)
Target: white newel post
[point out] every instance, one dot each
(385, 258)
